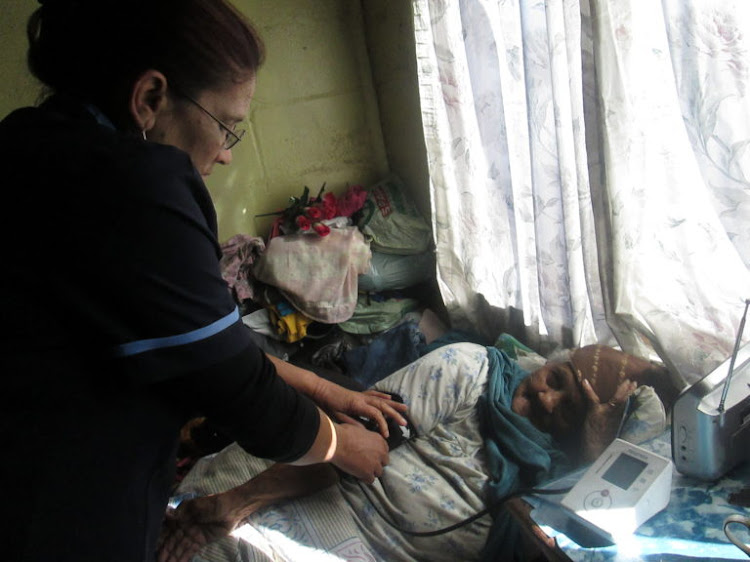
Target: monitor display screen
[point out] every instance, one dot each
(624, 471)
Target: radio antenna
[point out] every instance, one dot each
(734, 358)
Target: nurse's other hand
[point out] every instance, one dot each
(360, 452)
(370, 404)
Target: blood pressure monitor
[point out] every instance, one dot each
(624, 488)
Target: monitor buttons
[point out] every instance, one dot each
(600, 499)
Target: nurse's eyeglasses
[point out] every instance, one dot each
(232, 136)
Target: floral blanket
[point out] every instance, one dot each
(433, 481)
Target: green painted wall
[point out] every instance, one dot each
(315, 117)
(389, 31)
(17, 87)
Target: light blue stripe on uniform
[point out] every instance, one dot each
(100, 117)
(140, 346)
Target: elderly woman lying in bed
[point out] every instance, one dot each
(485, 427)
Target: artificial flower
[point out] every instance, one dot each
(321, 229)
(303, 222)
(310, 214)
(314, 213)
(330, 207)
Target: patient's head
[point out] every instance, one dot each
(606, 367)
(552, 397)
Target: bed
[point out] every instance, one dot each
(432, 481)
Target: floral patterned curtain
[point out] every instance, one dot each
(590, 170)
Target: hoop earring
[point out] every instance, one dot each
(144, 134)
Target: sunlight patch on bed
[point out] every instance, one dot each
(638, 547)
(289, 549)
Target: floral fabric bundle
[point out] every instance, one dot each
(318, 276)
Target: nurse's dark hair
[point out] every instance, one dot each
(96, 49)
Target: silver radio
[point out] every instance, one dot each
(711, 418)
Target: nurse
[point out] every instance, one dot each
(120, 324)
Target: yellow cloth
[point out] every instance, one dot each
(292, 326)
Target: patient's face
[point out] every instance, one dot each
(552, 400)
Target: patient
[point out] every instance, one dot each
(580, 401)
(515, 430)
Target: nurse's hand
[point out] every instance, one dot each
(337, 400)
(359, 452)
(345, 404)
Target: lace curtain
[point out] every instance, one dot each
(590, 170)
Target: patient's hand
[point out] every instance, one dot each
(197, 522)
(190, 527)
(603, 419)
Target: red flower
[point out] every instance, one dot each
(352, 201)
(314, 213)
(303, 223)
(329, 206)
(322, 229)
